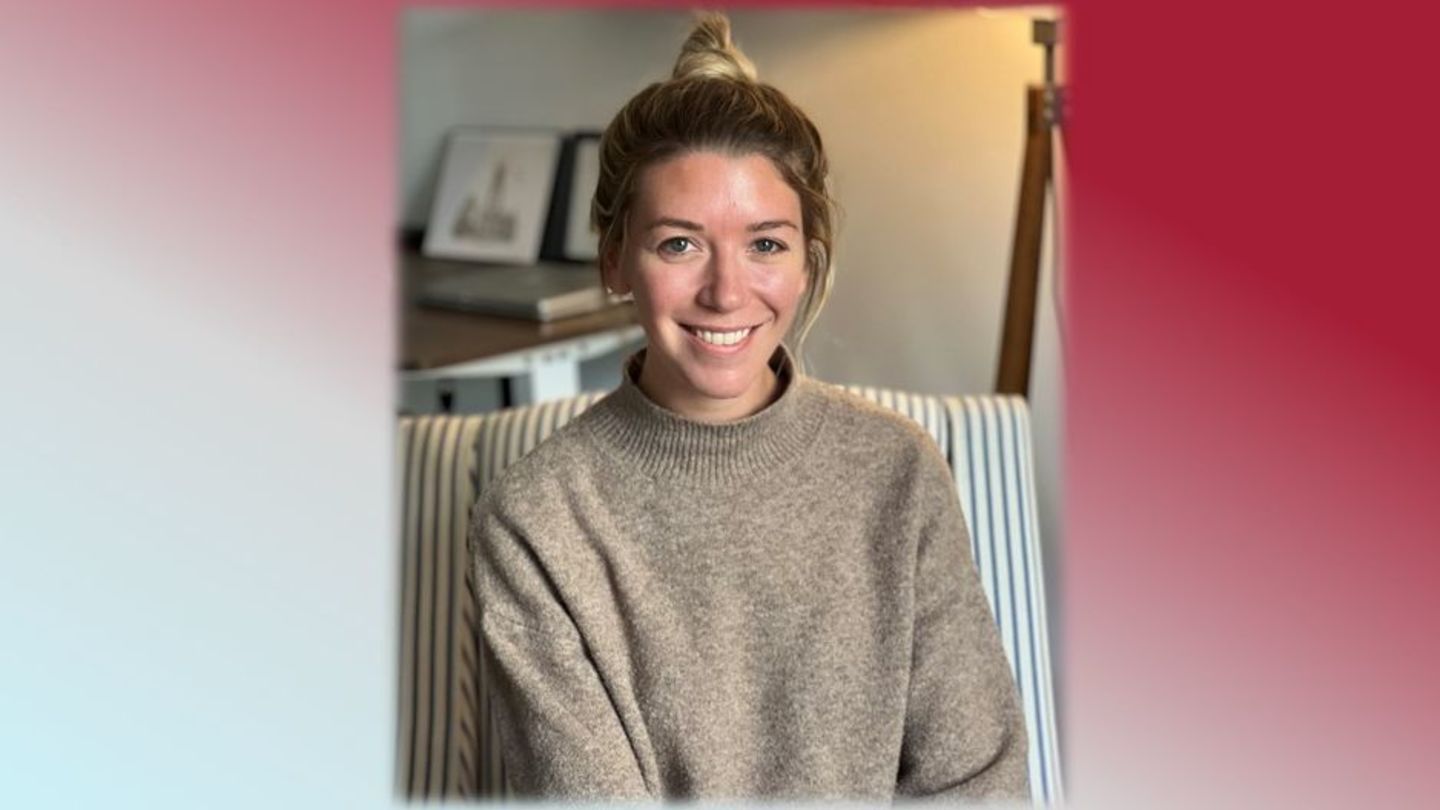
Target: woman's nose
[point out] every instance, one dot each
(726, 286)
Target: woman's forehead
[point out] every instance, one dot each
(714, 186)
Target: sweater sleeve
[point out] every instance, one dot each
(964, 730)
(559, 730)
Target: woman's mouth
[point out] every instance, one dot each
(723, 339)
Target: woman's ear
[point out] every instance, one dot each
(610, 273)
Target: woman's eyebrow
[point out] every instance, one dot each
(672, 222)
(772, 224)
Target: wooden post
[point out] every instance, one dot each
(1018, 332)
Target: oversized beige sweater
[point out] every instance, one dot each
(783, 606)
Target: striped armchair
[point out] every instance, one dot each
(445, 725)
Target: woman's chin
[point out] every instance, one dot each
(685, 378)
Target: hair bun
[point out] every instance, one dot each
(709, 52)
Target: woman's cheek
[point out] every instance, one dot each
(781, 284)
(662, 291)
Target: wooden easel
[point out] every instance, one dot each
(1043, 113)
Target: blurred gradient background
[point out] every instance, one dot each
(198, 325)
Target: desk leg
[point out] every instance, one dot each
(549, 377)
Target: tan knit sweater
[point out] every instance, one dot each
(783, 606)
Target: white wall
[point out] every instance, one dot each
(923, 117)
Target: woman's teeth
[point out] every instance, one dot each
(722, 338)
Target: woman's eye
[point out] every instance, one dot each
(768, 246)
(675, 244)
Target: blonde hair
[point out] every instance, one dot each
(714, 102)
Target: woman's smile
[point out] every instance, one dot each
(720, 340)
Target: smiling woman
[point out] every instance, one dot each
(708, 256)
(728, 579)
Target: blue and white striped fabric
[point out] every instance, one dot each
(438, 684)
(443, 462)
(992, 460)
(447, 732)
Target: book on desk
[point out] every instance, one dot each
(542, 292)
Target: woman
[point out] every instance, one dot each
(727, 579)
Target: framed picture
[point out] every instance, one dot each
(580, 241)
(492, 195)
(567, 235)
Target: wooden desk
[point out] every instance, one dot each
(539, 360)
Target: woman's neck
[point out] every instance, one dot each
(674, 396)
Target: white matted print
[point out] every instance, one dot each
(492, 196)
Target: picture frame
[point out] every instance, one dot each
(492, 196)
(567, 235)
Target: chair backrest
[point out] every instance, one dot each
(446, 730)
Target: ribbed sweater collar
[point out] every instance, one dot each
(667, 446)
